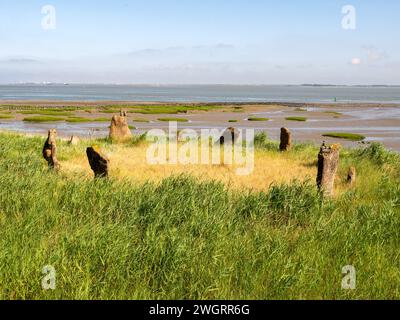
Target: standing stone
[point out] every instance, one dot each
(286, 140)
(50, 150)
(351, 176)
(98, 161)
(119, 129)
(328, 161)
(229, 136)
(73, 141)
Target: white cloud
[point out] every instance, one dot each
(374, 54)
(356, 61)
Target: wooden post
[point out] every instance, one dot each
(328, 162)
(286, 140)
(229, 136)
(98, 161)
(49, 151)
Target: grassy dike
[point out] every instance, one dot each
(189, 239)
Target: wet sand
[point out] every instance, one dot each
(378, 122)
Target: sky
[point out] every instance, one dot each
(200, 41)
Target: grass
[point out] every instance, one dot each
(269, 168)
(69, 119)
(232, 121)
(300, 119)
(6, 116)
(115, 109)
(173, 119)
(49, 112)
(174, 235)
(257, 119)
(43, 119)
(101, 119)
(40, 109)
(78, 119)
(343, 135)
(82, 119)
(159, 109)
(335, 113)
(140, 120)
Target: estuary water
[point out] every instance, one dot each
(201, 93)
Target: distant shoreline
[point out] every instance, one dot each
(100, 103)
(203, 85)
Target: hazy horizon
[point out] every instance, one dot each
(195, 84)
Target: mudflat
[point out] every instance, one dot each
(308, 121)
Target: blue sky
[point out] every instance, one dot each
(207, 41)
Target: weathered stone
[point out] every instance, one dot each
(98, 161)
(351, 176)
(74, 140)
(119, 129)
(50, 150)
(328, 161)
(286, 140)
(229, 136)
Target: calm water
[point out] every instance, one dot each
(200, 93)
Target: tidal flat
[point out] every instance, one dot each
(375, 122)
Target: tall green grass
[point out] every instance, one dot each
(186, 239)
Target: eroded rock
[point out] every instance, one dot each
(98, 161)
(328, 162)
(286, 140)
(50, 150)
(229, 136)
(119, 129)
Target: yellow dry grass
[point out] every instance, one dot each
(131, 162)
